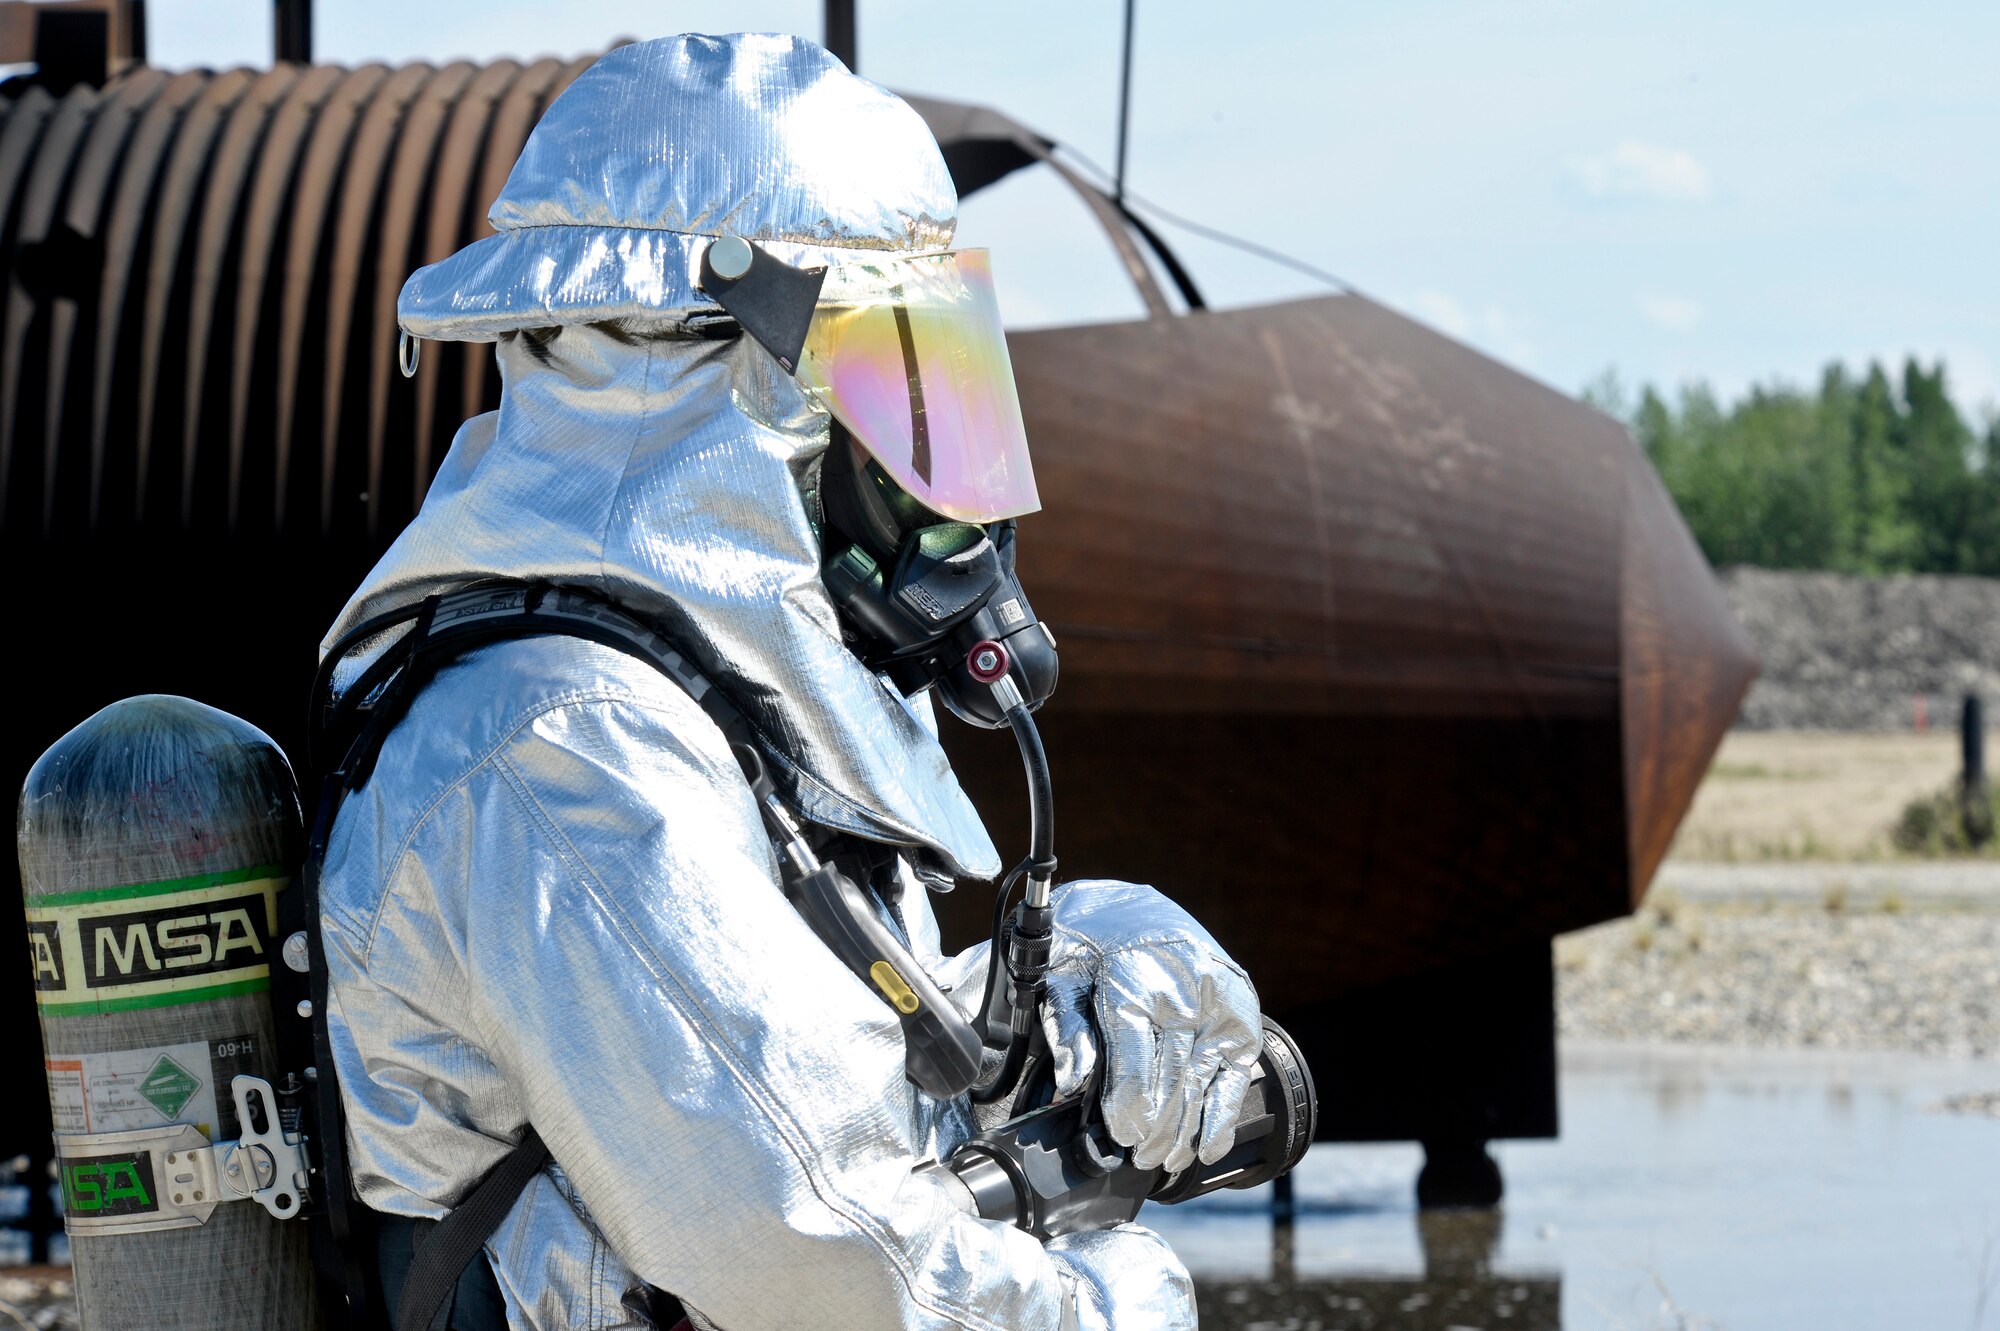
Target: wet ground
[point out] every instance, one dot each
(1691, 1189)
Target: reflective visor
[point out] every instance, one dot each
(909, 355)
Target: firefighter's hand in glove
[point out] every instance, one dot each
(1137, 983)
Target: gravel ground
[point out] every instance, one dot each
(1916, 885)
(1923, 981)
(37, 1298)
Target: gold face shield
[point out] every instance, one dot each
(907, 352)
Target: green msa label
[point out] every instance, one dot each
(115, 949)
(100, 1186)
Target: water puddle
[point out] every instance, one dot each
(1691, 1189)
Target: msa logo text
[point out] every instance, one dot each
(136, 947)
(108, 1185)
(45, 953)
(921, 600)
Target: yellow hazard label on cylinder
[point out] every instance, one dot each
(114, 949)
(894, 988)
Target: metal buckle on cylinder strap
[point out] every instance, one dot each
(172, 1177)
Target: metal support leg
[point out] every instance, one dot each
(1284, 1266)
(1458, 1172)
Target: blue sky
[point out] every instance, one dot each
(1724, 191)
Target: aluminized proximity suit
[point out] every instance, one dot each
(554, 902)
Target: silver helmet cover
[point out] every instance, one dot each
(660, 147)
(672, 474)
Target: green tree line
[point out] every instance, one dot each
(1868, 474)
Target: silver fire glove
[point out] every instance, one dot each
(1137, 982)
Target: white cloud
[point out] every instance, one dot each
(1676, 314)
(1635, 170)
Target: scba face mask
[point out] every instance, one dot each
(929, 464)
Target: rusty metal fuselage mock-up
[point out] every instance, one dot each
(1383, 658)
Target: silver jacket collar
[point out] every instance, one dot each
(670, 475)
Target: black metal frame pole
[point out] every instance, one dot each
(841, 36)
(1124, 105)
(135, 32)
(1974, 810)
(41, 1220)
(292, 31)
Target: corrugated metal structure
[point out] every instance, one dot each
(203, 268)
(1389, 661)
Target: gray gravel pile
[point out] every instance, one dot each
(1923, 982)
(1842, 652)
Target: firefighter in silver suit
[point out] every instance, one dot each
(554, 903)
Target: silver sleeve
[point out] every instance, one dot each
(1124, 1278)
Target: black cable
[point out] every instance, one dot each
(1129, 199)
(1182, 278)
(1010, 1072)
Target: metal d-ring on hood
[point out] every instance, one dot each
(673, 474)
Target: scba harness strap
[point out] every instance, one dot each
(438, 630)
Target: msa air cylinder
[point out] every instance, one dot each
(154, 839)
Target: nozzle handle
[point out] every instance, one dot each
(941, 1049)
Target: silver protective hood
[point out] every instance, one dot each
(660, 147)
(670, 473)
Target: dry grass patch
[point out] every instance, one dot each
(1786, 795)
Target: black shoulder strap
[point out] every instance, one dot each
(456, 1239)
(447, 626)
(441, 628)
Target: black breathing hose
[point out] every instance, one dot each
(1024, 965)
(1041, 792)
